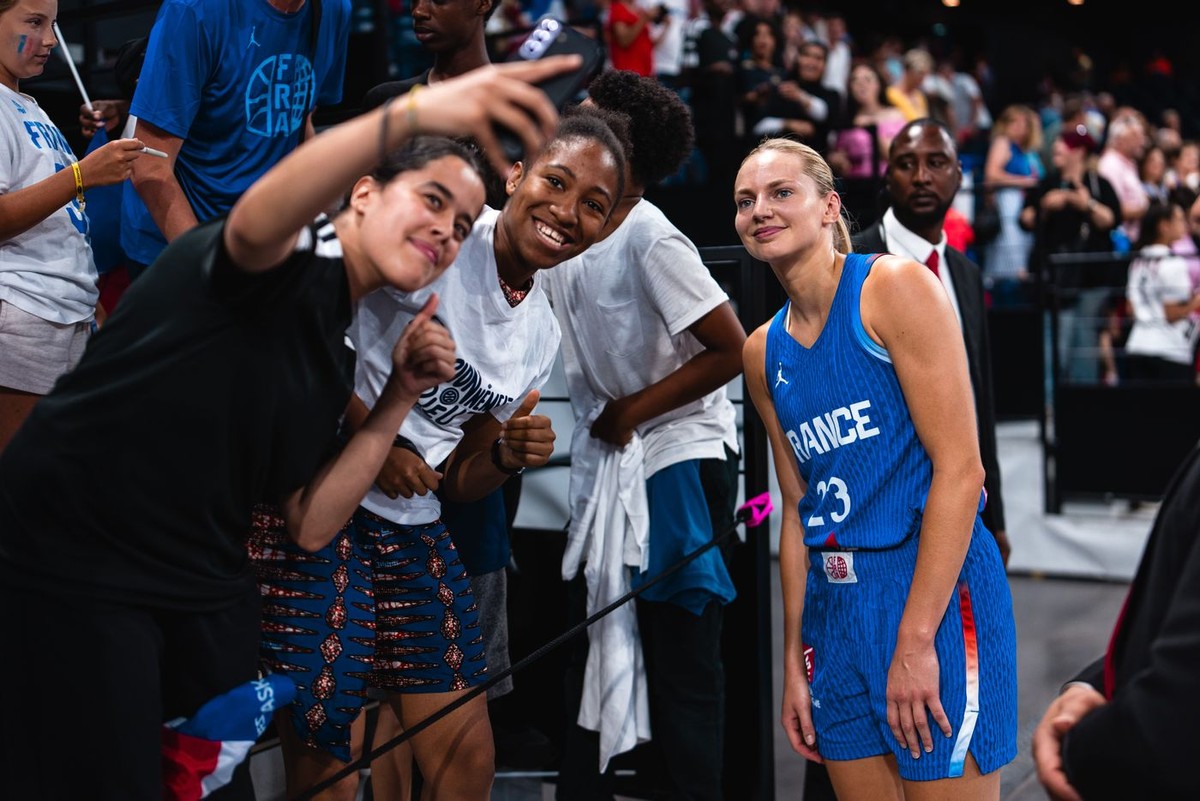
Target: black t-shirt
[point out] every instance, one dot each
(714, 90)
(389, 89)
(207, 390)
(1071, 230)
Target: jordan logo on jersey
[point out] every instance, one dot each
(779, 379)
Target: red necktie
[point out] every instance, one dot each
(1110, 654)
(932, 262)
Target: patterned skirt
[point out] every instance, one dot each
(383, 604)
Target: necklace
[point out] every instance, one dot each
(514, 296)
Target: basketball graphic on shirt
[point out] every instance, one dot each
(279, 95)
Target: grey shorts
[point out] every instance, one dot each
(35, 352)
(491, 596)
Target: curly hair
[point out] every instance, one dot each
(660, 123)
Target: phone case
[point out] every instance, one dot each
(552, 37)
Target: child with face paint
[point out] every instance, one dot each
(47, 276)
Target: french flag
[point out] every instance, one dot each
(200, 753)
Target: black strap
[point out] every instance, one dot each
(313, 36)
(315, 32)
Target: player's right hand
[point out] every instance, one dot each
(797, 715)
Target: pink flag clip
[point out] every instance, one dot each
(754, 511)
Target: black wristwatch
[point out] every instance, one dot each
(499, 464)
(408, 445)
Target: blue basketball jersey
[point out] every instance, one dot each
(840, 405)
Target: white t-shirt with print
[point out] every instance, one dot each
(47, 270)
(503, 352)
(1157, 277)
(625, 305)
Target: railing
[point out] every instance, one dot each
(1103, 434)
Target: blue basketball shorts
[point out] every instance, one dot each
(852, 609)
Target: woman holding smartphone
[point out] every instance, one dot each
(219, 382)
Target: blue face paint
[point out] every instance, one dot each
(21, 44)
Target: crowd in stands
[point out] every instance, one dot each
(755, 68)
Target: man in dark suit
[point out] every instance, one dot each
(1126, 726)
(923, 176)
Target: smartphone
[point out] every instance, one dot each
(553, 37)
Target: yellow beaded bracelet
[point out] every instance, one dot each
(410, 109)
(78, 184)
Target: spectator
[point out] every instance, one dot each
(1012, 166)
(860, 149)
(907, 93)
(1152, 169)
(667, 31)
(840, 54)
(47, 274)
(711, 64)
(1073, 210)
(1184, 171)
(227, 90)
(1162, 342)
(649, 342)
(1124, 144)
(627, 32)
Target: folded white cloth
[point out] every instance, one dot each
(609, 533)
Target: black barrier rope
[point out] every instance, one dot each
(752, 513)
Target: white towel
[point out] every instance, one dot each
(609, 531)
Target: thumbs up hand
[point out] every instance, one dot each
(526, 439)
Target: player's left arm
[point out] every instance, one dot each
(906, 310)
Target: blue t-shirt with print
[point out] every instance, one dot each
(234, 79)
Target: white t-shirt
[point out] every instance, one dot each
(1158, 277)
(668, 52)
(503, 353)
(47, 270)
(625, 305)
